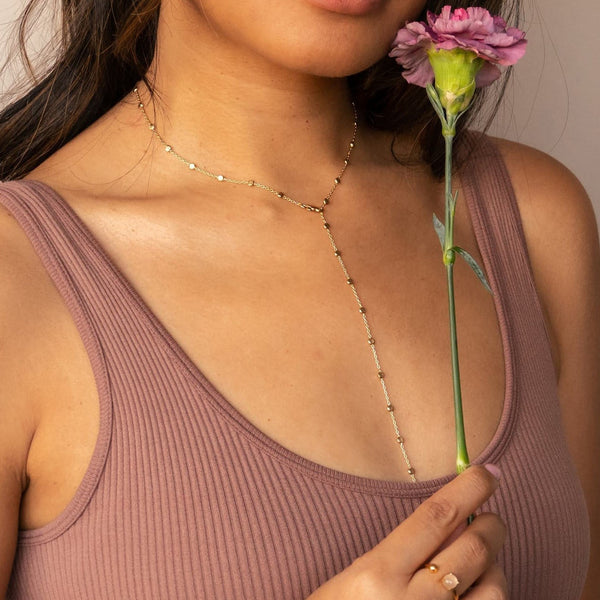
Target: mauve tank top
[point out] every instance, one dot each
(185, 499)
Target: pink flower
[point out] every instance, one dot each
(473, 30)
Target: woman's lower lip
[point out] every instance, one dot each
(348, 7)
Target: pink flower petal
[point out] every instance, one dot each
(487, 74)
(421, 73)
(472, 29)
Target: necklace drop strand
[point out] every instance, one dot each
(320, 210)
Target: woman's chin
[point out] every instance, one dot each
(342, 54)
(335, 66)
(327, 38)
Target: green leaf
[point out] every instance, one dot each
(435, 102)
(440, 229)
(460, 114)
(476, 268)
(453, 200)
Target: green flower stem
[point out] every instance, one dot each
(462, 457)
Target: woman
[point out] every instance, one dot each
(190, 405)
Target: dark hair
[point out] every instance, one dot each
(106, 46)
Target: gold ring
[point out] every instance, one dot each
(449, 581)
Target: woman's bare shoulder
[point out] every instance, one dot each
(547, 189)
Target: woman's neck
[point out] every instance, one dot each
(232, 110)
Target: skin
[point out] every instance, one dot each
(272, 95)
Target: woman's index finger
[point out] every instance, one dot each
(421, 534)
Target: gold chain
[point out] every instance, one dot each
(320, 210)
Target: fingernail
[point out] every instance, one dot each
(494, 470)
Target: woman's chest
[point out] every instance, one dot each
(270, 319)
(274, 326)
(314, 363)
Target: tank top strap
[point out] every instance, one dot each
(496, 221)
(494, 210)
(112, 318)
(77, 265)
(69, 255)
(116, 324)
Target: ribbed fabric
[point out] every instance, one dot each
(185, 499)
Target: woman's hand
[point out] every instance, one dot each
(394, 569)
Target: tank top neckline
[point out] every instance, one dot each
(194, 374)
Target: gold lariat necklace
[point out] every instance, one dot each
(319, 210)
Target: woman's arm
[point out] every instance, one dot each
(562, 238)
(10, 495)
(18, 294)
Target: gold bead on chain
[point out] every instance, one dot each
(320, 210)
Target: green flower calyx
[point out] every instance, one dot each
(455, 71)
